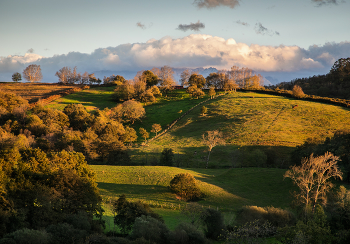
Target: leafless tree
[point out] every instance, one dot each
(64, 74)
(185, 76)
(167, 78)
(212, 139)
(313, 178)
(32, 73)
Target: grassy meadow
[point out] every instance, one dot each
(224, 189)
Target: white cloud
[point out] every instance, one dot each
(192, 51)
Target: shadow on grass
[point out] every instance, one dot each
(148, 192)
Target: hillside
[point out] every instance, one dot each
(259, 129)
(254, 125)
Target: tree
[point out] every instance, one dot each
(16, 77)
(144, 133)
(341, 68)
(313, 178)
(74, 76)
(212, 139)
(185, 76)
(132, 111)
(195, 91)
(167, 157)
(184, 185)
(167, 79)
(297, 91)
(92, 78)
(124, 92)
(156, 128)
(85, 78)
(211, 92)
(204, 110)
(63, 74)
(150, 78)
(196, 79)
(32, 73)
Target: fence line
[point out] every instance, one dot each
(178, 119)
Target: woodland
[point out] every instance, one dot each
(219, 159)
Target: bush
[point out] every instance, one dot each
(214, 223)
(167, 157)
(298, 92)
(276, 216)
(127, 212)
(150, 229)
(27, 236)
(184, 185)
(65, 233)
(186, 233)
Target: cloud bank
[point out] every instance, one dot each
(216, 3)
(192, 26)
(196, 50)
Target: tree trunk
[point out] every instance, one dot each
(208, 160)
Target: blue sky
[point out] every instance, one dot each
(280, 39)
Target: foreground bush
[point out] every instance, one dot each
(127, 212)
(184, 185)
(150, 229)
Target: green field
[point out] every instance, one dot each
(225, 189)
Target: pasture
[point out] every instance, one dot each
(224, 189)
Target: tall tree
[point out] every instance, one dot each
(197, 79)
(341, 68)
(211, 140)
(150, 78)
(167, 79)
(16, 77)
(32, 73)
(313, 178)
(185, 76)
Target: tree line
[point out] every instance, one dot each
(334, 84)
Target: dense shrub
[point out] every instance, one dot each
(127, 212)
(184, 185)
(66, 233)
(150, 229)
(167, 157)
(298, 92)
(186, 233)
(276, 216)
(28, 236)
(214, 223)
(251, 232)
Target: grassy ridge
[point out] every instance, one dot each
(251, 121)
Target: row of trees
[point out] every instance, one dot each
(224, 79)
(68, 76)
(335, 84)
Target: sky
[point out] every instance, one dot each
(280, 39)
